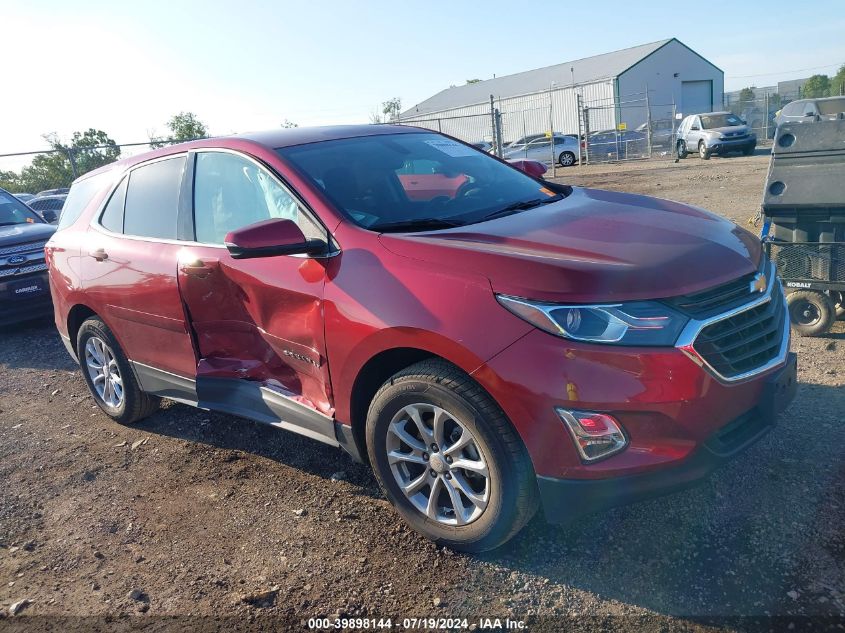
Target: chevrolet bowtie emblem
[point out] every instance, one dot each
(759, 283)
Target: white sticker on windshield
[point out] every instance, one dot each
(452, 148)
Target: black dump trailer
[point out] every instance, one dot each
(804, 221)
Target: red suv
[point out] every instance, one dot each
(488, 341)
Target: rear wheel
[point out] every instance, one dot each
(703, 152)
(566, 159)
(109, 376)
(811, 312)
(448, 459)
(838, 299)
(682, 149)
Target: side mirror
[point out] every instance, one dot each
(50, 216)
(269, 239)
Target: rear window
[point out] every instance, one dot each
(152, 199)
(81, 194)
(833, 106)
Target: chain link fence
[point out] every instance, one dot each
(608, 126)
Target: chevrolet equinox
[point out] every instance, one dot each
(489, 342)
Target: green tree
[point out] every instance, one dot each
(816, 86)
(837, 82)
(391, 108)
(473, 81)
(86, 151)
(746, 94)
(289, 124)
(184, 126)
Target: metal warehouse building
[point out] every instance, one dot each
(614, 88)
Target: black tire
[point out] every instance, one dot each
(682, 149)
(566, 159)
(703, 152)
(811, 312)
(513, 495)
(136, 404)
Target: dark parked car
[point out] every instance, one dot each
(488, 342)
(48, 207)
(811, 110)
(53, 192)
(24, 290)
(714, 133)
(616, 145)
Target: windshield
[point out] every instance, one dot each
(13, 211)
(830, 106)
(395, 180)
(710, 121)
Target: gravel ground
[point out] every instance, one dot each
(197, 514)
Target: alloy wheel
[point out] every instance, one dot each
(437, 463)
(104, 372)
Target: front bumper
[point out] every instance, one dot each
(720, 147)
(567, 499)
(25, 298)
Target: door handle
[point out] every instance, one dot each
(99, 254)
(197, 267)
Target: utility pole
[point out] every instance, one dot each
(578, 116)
(72, 163)
(552, 130)
(648, 121)
(496, 148)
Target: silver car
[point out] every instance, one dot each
(811, 110)
(714, 133)
(566, 150)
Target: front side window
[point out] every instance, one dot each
(367, 179)
(13, 211)
(152, 199)
(231, 192)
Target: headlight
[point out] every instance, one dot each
(634, 323)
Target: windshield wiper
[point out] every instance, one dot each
(521, 206)
(416, 224)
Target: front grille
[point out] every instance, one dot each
(25, 270)
(745, 341)
(32, 247)
(32, 255)
(738, 137)
(713, 301)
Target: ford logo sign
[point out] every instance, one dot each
(17, 259)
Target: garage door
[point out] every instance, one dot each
(696, 96)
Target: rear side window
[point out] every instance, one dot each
(832, 106)
(80, 195)
(152, 199)
(112, 218)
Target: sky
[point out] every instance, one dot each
(127, 67)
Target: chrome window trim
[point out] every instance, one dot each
(97, 215)
(692, 329)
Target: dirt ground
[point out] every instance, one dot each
(224, 522)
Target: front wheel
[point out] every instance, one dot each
(109, 377)
(703, 152)
(811, 312)
(448, 459)
(566, 159)
(682, 149)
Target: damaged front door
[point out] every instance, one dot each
(257, 323)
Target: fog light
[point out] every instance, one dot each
(596, 435)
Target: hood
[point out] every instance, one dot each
(593, 246)
(23, 233)
(732, 130)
